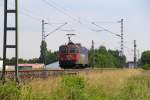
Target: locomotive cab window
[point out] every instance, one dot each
(73, 50)
(63, 50)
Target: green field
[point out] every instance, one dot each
(122, 84)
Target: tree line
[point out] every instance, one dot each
(46, 56)
(145, 59)
(104, 58)
(49, 57)
(100, 57)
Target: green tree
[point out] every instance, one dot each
(51, 57)
(33, 60)
(118, 60)
(43, 52)
(145, 58)
(21, 60)
(101, 58)
(106, 58)
(102, 49)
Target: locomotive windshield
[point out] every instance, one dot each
(63, 50)
(73, 50)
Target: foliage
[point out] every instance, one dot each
(26, 93)
(21, 61)
(9, 91)
(51, 57)
(46, 56)
(106, 58)
(34, 60)
(145, 58)
(43, 52)
(136, 88)
(119, 61)
(70, 88)
(146, 67)
(101, 85)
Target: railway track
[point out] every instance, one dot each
(47, 73)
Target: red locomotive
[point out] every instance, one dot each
(73, 55)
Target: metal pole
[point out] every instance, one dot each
(16, 22)
(43, 38)
(43, 31)
(135, 56)
(122, 39)
(15, 46)
(93, 54)
(4, 43)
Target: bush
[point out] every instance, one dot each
(137, 88)
(70, 88)
(9, 91)
(146, 67)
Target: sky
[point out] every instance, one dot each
(79, 14)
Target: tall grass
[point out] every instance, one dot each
(91, 85)
(9, 91)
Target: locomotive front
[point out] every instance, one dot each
(68, 55)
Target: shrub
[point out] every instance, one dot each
(146, 67)
(137, 88)
(70, 88)
(9, 91)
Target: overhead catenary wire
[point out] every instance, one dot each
(31, 16)
(109, 21)
(28, 13)
(67, 30)
(56, 29)
(65, 12)
(59, 10)
(59, 6)
(105, 29)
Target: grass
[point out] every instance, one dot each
(123, 84)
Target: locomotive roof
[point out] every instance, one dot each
(72, 44)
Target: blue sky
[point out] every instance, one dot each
(136, 14)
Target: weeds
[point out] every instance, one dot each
(99, 85)
(9, 91)
(70, 88)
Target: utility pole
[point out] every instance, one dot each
(135, 56)
(93, 54)
(10, 46)
(43, 40)
(43, 29)
(122, 39)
